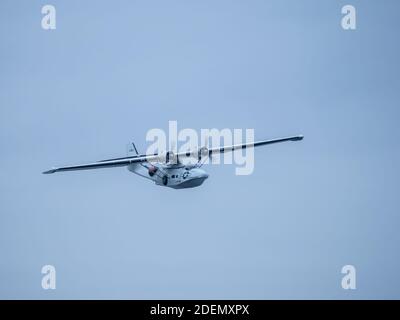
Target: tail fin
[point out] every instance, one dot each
(131, 150)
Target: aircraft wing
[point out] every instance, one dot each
(252, 144)
(121, 162)
(102, 164)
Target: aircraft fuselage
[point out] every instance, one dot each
(172, 176)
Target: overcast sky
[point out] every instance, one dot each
(112, 70)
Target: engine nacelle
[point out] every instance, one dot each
(202, 153)
(168, 157)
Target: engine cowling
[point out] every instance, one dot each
(202, 153)
(170, 158)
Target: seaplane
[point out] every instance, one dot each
(167, 168)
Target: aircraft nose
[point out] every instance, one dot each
(200, 174)
(205, 175)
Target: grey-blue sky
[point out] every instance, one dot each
(113, 70)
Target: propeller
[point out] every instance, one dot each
(203, 151)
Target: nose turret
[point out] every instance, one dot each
(192, 178)
(199, 174)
